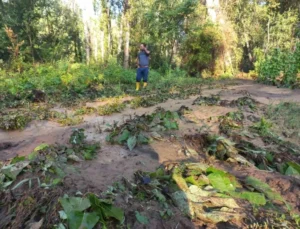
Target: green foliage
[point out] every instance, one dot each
(202, 47)
(253, 197)
(281, 68)
(140, 218)
(133, 131)
(213, 100)
(264, 188)
(80, 147)
(285, 115)
(263, 127)
(69, 83)
(14, 120)
(75, 211)
(114, 107)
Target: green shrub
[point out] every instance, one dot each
(280, 67)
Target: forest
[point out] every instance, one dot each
(211, 140)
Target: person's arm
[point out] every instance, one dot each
(147, 51)
(137, 62)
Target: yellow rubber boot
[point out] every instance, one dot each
(138, 85)
(145, 85)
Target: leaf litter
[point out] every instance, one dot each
(141, 129)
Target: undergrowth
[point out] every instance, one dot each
(68, 83)
(286, 115)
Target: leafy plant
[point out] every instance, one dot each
(133, 131)
(263, 127)
(108, 109)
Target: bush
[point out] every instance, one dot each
(280, 68)
(202, 48)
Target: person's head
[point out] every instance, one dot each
(143, 46)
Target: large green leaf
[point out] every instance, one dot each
(293, 169)
(124, 136)
(41, 147)
(221, 182)
(253, 197)
(142, 219)
(131, 142)
(13, 170)
(82, 220)
(72, 204)
(142, 139)
(105, 209)
(17, 159)
(170, 125)
(264, 188)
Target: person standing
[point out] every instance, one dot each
(142, 66)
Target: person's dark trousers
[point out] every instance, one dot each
(142, 73)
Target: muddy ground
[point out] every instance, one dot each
(115, 162)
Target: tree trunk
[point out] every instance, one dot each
(87, 42)
(109, 31)
(248, 47)
(120, 40)
(96, 48)
(173, 52)
(126, 45)
(218, 16)
(30, 42)
(102, 45)
(127, 34)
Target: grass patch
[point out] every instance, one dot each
(115, 107)
(286, 116)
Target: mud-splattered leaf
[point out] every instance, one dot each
(62, 215)
(142, 219)
(73, 157)
(156, 136)
(180, 200)
(131, 142)
(60, 226)
(12, 171)
(74, 204)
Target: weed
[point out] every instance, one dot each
(208, 101)
(85, 110)
(230, 122)
(245, 102)
(263, 127)
(69, 120)
(286, 117)
(114, 107)
(14, 120)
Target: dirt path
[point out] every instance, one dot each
(147, 157)
(115, 162)
(24, 141)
